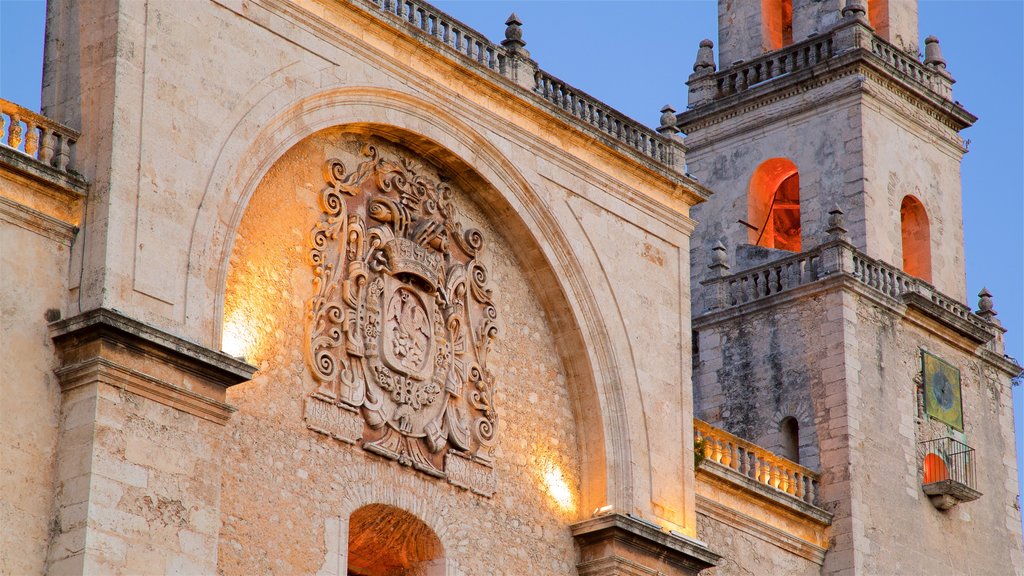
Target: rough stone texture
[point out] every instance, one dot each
(887, 466)
(306, 477)
(137, 487)
(204, 133)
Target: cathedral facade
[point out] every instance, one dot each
(345, 288)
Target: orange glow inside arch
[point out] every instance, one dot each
(774, 205)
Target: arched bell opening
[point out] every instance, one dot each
(774, 206)
(915, 234)
(388, 541)
(777, 23)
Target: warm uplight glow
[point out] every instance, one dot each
(556, 485)
(236, 339)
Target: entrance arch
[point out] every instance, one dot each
(602, 416)
(388, 541)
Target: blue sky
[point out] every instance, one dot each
(636, 56)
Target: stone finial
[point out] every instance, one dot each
(514, 36)
(836, 224)
(986, 308)
(933, 54)
(719, 264)
(705, 63)
(855, 9)
(668, 120)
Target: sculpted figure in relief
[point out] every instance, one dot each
(402, 315)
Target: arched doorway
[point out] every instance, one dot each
(388, 541)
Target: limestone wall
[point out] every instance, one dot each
(759, 368)
(36, 232)
(210, 98)
(30, 391)
(746, 553)
(981, 536)
(933, 178)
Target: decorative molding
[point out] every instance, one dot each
(401, 322)
(852, 63)
(623, 545)
(107, 347)
(758, 529)
(33, 220)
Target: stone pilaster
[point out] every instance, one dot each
(139, 448)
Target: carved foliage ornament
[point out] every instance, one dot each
(401, 320)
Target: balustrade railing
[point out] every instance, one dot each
(756, 463)
(474, 45)
(790, 59)
(909, 65)
(603, 117)
(804, 268)
(37, 136)
(738, 77)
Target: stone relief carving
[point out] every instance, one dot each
(401, 321)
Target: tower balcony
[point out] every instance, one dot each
(947, 472)
(836, 262)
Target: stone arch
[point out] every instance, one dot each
(774, 205)
(386, 540)
(600, 411)
(802, 415)
(915, 236)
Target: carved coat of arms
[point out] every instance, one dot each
(401, 321)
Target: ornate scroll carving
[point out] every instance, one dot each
(401, 321)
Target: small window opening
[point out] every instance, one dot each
(388, 541)
(916, 237)
(774, 205)
(789, 432)
(777, 16)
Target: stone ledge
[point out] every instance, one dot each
(616, 544)
(69, 182)
(947, 318)
(107, 347)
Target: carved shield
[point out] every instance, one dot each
(402, 316)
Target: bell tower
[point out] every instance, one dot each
(830, 310)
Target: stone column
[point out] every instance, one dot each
(139, 448)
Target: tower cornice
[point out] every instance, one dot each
(849, 48)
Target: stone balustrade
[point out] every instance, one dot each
(37, 137)
(512, 61)
(792, 58)
(603, 117)
(848, 36)
(756, 463)
(911, 68)
(829, 259)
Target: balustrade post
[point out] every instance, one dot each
(14, 132)
(31, 138)
(63, 154)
